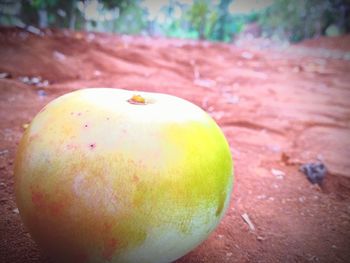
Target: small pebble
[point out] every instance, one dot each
(35, 80)
(247, 55)
(233, 100)
(41, 93)
(279, 174)
(5, 75)
(261, 197)
(3, 152)
(315, 172)
(58, 55)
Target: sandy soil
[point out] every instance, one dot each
(278, 109)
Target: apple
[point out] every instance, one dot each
(108, 175)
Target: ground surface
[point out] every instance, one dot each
(278, 109)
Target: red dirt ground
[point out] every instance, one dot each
(278, 109)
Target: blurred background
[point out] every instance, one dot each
(220, 20)
(274, 75)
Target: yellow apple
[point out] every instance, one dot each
(108, 175)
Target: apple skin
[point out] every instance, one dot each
(102, 178)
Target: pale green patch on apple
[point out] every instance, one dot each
(107, 175)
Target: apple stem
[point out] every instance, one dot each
(137, 99)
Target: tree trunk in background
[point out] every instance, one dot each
(202, 29)
(223, 9)
(72, 15)
(43, 18)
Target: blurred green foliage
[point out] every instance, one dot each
(300, 19)
(201, 19)
(130, 17)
